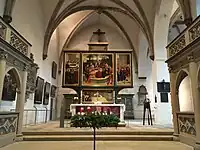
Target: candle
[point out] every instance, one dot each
(89, 109)
(81, 109)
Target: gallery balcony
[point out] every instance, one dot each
(185, 39)
(9, 36)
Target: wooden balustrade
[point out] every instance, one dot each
(185, 38)
(13, 38)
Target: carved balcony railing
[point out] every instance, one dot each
(185, 38)
(186, 123)
(8, 127)
(13, 38)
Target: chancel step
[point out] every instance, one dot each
(99, 138)
(114, 132)
(101, 135)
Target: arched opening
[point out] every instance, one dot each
(11, 90)
(184, 92)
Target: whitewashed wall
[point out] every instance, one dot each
(81, 39)
(28, 21)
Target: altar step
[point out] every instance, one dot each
(101, 136)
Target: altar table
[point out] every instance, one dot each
(117, 109)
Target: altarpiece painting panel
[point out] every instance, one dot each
(124, 75)
(98, 69)
(71, 69)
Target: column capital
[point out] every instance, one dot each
(170, 69)
(190, 58)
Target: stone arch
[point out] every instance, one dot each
(71, 9)
(180, 76)
(16, 73)
(12, 82)
(183, 90)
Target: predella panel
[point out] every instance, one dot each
(97, 96)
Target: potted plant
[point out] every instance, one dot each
(94, 120)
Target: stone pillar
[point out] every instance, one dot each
(174, 103)
(195, 94)
(20, 102)
(3, 57)
(62, 113)
(7, 16)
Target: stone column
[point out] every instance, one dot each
(195, 94)
(174, 103)
(3, 57)
(7, 16)
(20, 102)
(62, 113)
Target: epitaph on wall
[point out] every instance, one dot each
(39, 90)
(46, 93)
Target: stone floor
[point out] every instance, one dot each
(54, 126)
(68, 145)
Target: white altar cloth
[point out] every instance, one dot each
(73, 108)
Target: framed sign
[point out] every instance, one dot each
(46, 93)
(39, 90)
(97, 69)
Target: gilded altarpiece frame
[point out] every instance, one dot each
(86, 60)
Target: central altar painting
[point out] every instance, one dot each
(98, 69)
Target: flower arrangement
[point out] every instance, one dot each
(95, 120)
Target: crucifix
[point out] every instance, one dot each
(99, 33)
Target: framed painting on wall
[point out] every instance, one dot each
(39, 90)
(54, 69)
(97, 96)
(124, 69)
(71, 69)
(53, 91)
(46, 93)
(97, 69)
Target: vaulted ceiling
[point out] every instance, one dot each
(129, 17)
